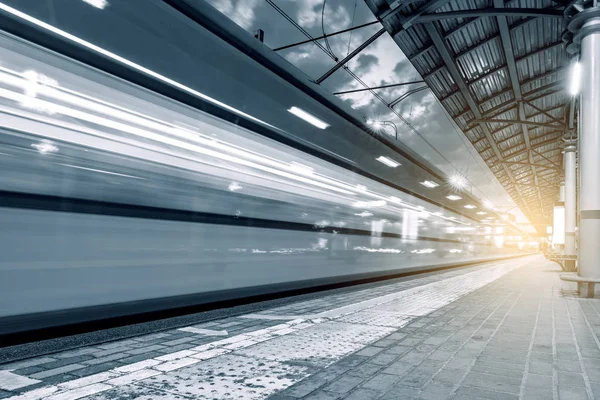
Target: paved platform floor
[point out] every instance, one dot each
(509, 330)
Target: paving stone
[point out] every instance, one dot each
(365, 370)
(572, 393)
(102, 360)
(537, 393)
(140, 357)
(147, 349)
(27, 363)
(369, 351)
(380, 382)
(570, 379)
(56, 371)
(436, 391)
(305, 387)
(94, 369)
(362, 394)
(344, 384)
(321, 395)
(480, 393)
(535, 381)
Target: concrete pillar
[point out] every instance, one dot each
(589, 156)
(570, 199)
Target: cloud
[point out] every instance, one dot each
(242, 12)
(365, 62)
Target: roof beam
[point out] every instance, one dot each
(489, 12)
(530, 164)
(515, 121)
(545, 112)
(407, 21)
(450, 62)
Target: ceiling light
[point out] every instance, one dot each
(234, 186)
(311, 119)
(481, 213)
(97, 3)
(388, 161)
(470, 206)
(453, 197)
(364, 214)
(575, 84)
(458, 181)
(429, 184)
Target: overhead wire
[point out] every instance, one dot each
(355, 77)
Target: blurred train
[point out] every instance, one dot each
(126, 188)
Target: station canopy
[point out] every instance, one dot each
(500, 69)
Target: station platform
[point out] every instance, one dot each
(502, 330)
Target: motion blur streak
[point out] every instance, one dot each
(112, 195)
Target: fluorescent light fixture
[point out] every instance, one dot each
(453, 197)
(311, 119)
(481, 213)
(457, 181)
(234, 186)
(388, 161)
(101, 4)
(575, 84)
(364, 214)
(470, 206)
(429, 184)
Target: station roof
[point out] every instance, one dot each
(499, 68)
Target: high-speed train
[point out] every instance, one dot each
(148, 163)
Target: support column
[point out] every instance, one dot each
(570, 202)
(589, 156)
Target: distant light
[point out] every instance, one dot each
(437, 214)
(453, 197)
(364, 214)
(45, 147)
(234, 186)
(458, 181)
(429, 184)
(388, 161)
(481, 213)
(575, 84)
(488, 204)
(311, 119)
(101, 4)
(470, 206)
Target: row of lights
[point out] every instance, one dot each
(456, 181)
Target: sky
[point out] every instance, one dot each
(379, 64)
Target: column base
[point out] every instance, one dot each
(586, 289)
